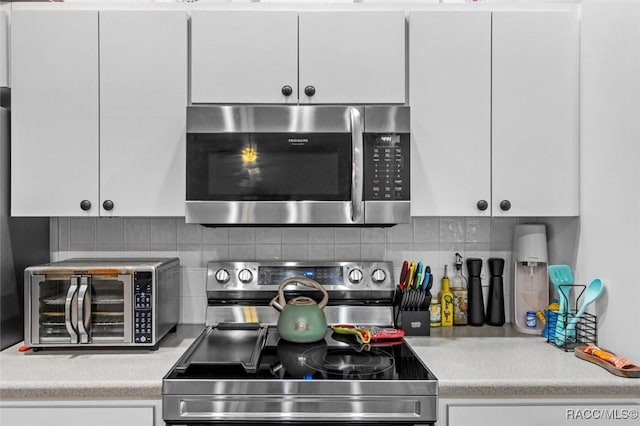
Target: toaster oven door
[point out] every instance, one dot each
(74, 309)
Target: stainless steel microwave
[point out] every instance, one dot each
(101, 302)
(290, 165)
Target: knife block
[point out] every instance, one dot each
(413, 322)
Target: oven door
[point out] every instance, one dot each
(274, 165)
(71, 309)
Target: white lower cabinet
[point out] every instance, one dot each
(538, 412)
(81, 413)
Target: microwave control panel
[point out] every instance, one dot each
(386, 166)
(142, 310)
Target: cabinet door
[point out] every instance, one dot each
(60, 413)
(54, 120)
(352, 57)
(143, 98)
(450, 97)
(535, 113)
(244, 56)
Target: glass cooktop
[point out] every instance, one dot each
(248, 351)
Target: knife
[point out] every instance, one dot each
(418, 279)
(412, 268)
(425, 281)
(403, 275)
(430, 283)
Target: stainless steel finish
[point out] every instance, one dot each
(357, 172)
(292, 406)
(385, 212)
(68, 306)
(84, 312)
(355, 276)
(234, 288)
(245, 276)
(165, 302)
(363, 315)
(378, 276)
(268, 119)
(270, 212)
(387, 119)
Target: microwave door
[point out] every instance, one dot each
(105, 308)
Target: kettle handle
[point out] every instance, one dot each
(279, 301)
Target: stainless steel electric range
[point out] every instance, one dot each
(239, 370)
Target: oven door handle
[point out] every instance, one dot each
(68, 306)
(84, 297)
(358, 164)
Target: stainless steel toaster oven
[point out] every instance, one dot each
(101, 302)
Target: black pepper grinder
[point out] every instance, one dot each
(475, 310)
(495, 304)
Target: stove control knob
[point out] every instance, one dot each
(378, 276)
(245, 276)
(355, 276)
(222, 276)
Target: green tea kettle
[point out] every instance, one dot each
(301, 320)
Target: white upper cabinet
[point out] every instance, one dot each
(352, 57)
(98, 113)
(494, 113)
(54, 119)
(143, 98)
(272, 56)
(244, 56)
(450, 98)
(535, 113)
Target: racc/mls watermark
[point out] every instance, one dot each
(599, 414)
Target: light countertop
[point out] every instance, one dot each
(468, 362)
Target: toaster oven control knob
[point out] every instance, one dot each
(378, 276)
(355, 276)
(245, 276)
(223, 276)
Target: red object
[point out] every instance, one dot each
(386, 333)
(24, 348)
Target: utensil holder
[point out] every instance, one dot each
(585, 330)
(413, 320)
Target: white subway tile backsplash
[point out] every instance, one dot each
(321, 252)
(215, 235)
(192, 310)
(239, 252)
(373, 235)
(347, 236)
(432, 240)
(426, 230)
(268, 251)
(242, 236)
(295, 236)
(402, 233)
(452, 229)
(478, 230)
(163, 231)
(110, 230)
(188, 233)
(82, 231)
(268, 236)
(347, 252)
(136, 231)
(321, 235)
(190, 255)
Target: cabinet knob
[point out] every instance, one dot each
(482, 205)
(505, 205)
(309, 90)
(107, 205)
(287, 90)
(85, 205)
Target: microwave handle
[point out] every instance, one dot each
(358, 164)
(68, 305)
(83, 298)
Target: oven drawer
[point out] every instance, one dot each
(358, 409)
